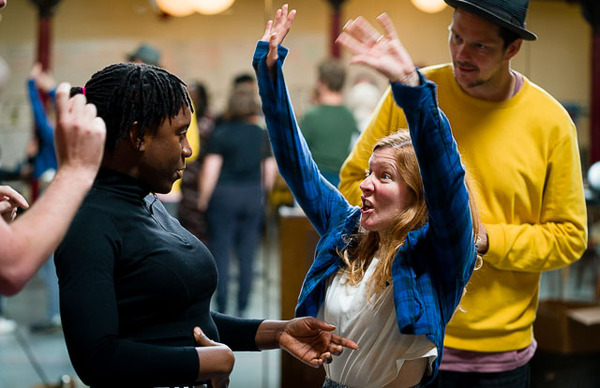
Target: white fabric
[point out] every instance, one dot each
(373, 326)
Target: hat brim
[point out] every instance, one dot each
(473, 8)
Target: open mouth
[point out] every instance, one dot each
(366, 204)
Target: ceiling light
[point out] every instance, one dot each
(212, 7)
(429, 6)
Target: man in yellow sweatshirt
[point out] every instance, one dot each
(520, 149)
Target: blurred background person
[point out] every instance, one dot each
(329, 127)
(237, 172)
(145, 53)
(188, 213)
(39, 83)
(362, 99)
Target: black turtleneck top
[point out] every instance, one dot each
(133, 284)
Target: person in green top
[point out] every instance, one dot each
(329, 127)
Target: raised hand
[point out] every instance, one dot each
(382, 52)
(312, 341)
(79, 134)
(10, 200)
(276, 31)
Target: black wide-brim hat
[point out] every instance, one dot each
(509, 14)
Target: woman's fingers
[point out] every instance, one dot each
(388, 26)
(267, 33)
(202, 339)
(361, 30)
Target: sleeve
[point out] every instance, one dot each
(266, 151)
(85, 263)
(386, 119)
(237, 333)
(560, 238)
(322, 203)
(43, 126)
(450, 231)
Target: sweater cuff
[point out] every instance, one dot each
(411, 97)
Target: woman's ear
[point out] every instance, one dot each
(134, 137)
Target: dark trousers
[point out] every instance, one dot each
(516, 378)
(234, 217)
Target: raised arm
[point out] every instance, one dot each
(322, 203)
(29, 241)
(450, 222)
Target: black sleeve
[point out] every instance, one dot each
(237, 333)
(266, 146)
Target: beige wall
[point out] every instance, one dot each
(90, 34)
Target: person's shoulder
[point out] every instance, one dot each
(540, 100)
(438, 73)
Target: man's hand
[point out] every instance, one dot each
(10, 200)
(482, 240)
(79, 135)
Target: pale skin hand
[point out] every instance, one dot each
(216, 360)
(10, 200)
(310, 340)
(30, 239)
(382, 52)
(482, 241)
(79, 137)
(276, 31)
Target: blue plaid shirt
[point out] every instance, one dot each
(434, 264)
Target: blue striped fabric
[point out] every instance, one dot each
(434, 264)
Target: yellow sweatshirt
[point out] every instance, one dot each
(523, 161)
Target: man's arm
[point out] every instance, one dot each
(560, 237)
(29, 241)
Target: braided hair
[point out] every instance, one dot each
(125, 93)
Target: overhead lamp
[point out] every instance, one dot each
(188, 7)
(429, 6)
(177, 7)
(212, 7)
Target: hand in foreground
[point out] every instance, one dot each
(79, 135)
(312, 341)
(10, 200)
(276, 31)
(382, 52)
(216, 360)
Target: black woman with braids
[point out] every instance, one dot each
(135, 286)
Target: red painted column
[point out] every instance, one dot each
(595, 101)
(46, 10)
(591, 12)
(335, 27)
(44, 38)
